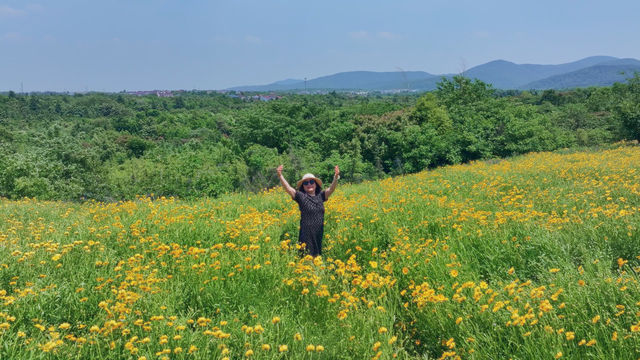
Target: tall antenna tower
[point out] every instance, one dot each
(404, 76)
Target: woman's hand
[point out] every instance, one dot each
(291, 191)
(332, 188)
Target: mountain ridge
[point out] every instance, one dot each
(502, 74)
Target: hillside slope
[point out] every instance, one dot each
(590, 71)
(599, 75)
(528, 258)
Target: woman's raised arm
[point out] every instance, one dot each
(334, 183)
(291, 191)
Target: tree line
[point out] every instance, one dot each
(110, 147)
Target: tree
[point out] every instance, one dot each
(628, 108)
(462, 91)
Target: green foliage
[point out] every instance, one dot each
(195, 171)
(114, 146)
(627, 109)
(531, 257)
(260, 161)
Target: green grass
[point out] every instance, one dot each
(522, 258)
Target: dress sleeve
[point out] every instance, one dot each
(298, 196)
(324, 195)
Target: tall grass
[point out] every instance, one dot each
(527, 258)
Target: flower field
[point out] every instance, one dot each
(535, 257)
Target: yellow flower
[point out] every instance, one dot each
(450, 343)
(311, 348)
(283, 348)
(275, 320)
(558, 355)
(377, 345)
(545, 306)
(248, 353)
(621, 262)
(595, 319)
(453, 273)
(382, 330)
(266, 347)
(554, 270)
(297, 337)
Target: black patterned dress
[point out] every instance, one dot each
(311, 221)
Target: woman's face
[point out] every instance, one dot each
(309, 186)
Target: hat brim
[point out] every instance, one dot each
(318, 182)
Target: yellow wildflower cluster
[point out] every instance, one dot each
(476, 260)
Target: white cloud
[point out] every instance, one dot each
(252, 39)
(12, 36)
(359, 35)
(365, 35)
(6, 11)
(481, 34)
(35, 8)
(388, 35)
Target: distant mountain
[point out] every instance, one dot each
(288, 82)
(352, 80)
(590, 71)
(507, 75)
(598, 75)
(368, 80)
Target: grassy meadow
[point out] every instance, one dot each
(533, 257)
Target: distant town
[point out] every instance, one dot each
(242, 95)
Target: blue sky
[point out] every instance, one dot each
(113, 45)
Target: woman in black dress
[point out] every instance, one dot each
(310, 198)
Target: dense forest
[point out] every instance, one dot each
(116, 146)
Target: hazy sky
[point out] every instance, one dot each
(113, 45)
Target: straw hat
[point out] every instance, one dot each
(307, 177)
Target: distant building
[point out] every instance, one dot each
(164, 93)
(257, 97)
(158, 93)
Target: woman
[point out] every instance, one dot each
(310, 198)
